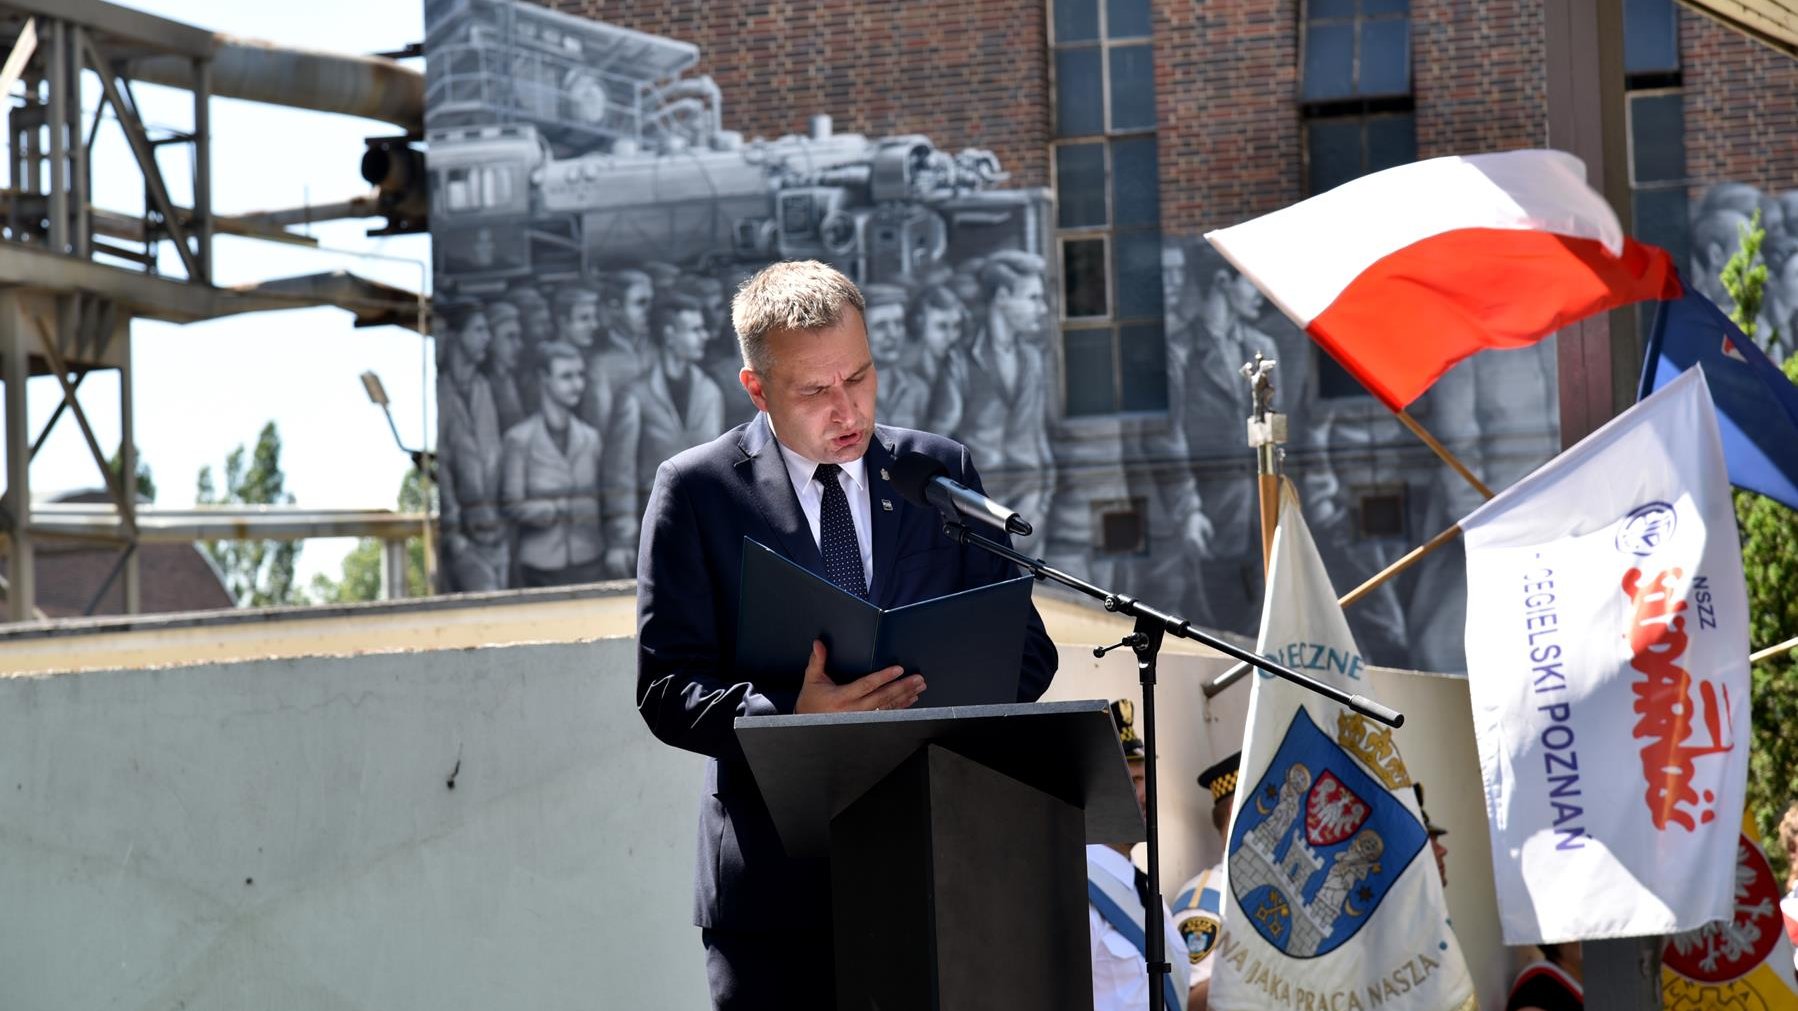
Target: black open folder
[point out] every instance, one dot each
(969, 646)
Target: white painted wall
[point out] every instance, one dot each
(138, 807)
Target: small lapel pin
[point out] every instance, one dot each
(886, 504)
(883, 474)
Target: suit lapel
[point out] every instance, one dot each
(885, 522)
(772, 489)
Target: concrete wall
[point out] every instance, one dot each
(281, 834)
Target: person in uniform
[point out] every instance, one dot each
(1553, 984)
(1118, 896)
(1199, 905)
(1436, 833)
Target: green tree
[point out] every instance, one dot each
(146, 484)
(257, 573)
(1770, 561)
(361, 574)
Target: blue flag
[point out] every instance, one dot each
(1757, 406)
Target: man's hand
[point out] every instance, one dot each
(883, 689)
(1198, 534)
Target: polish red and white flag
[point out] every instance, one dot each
(1607, 656)
(1402, 273)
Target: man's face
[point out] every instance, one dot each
(1023, 306)
(579, 322)
(1139, 781)
(1245, 299)
(942, 330)
(481, 249)
(1441, 853)
(475, 337)
(633, 311)
(886, 333)
(1173, 273)
(819, 393)
(684, 335)
(565, 380)
(507, 335)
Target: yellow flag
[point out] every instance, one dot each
(1744, 964)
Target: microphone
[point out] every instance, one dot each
(924, 481)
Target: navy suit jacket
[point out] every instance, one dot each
(704, 502)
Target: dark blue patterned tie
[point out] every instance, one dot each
(836, 534)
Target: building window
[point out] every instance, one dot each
(1355, 99)
(1108, 207)
(1657, 128)
(1380, 512)
(1356, 49)
(1123, 526)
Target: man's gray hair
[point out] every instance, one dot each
(800, 295)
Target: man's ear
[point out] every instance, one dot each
(752, 384)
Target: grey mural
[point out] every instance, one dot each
(591, 214)
(1717, 220)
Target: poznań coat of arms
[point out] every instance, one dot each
(1317, 845)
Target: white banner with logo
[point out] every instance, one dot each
(1332, 896)
(1607, 652)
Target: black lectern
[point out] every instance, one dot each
(956, 840)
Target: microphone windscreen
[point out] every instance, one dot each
(911, 472)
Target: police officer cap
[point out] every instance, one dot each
(1429, 826)
(1220, 779)
(1123, 716)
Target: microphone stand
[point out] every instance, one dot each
(1152, 626)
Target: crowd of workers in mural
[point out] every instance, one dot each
(559, 402)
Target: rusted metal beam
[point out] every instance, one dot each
(146, 158)
(99, 522)
(349, 84)
(136, 27)
(68, 307)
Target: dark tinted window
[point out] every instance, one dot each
(1083, 276)
(1138, 256)
(1135, 181)
(1080, 185)
(1126, 18)
(1332, 379)
(1650, 36)
(1132, 88)
(1092, 381)
(1391, 140)
(1334, 149)
(1329, 61)
(1385, 57)
(1076, 20)
(1079, 95)
(1658, 137)
(1142, 358)
(1662, 219)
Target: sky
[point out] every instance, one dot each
(204, 388)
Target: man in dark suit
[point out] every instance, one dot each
(808, 478)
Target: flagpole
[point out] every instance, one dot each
(1404, 418)
(1771, 651)
(1410, 558)
(1267, 431)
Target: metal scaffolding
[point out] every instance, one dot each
(73, 276)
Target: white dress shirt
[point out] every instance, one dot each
(1120, 975)
(854, 479)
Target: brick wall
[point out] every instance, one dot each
(1478, 76)
(1226, 75)
(1741, 102)
(966, 73)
